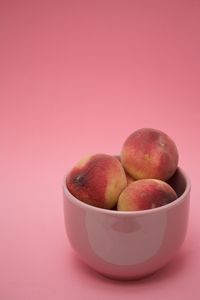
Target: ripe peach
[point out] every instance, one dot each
(129, 178)
(97, 180)
(145, 194)
(149, 153)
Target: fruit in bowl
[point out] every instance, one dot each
(128, 225)
(97, 180)
(145, 194)
(103, 180)
(149, 153)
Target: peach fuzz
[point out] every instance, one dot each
(145, 194)
(149, 153)
(97, 180)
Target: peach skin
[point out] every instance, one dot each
(97, 180)
(149, 153)
(145, 194)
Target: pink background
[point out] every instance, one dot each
(76, 78)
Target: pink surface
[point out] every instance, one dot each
(77, 77)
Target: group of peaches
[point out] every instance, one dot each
(134, 180)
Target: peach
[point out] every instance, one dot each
(149, 153)
(145, 194)
(128, 177)
(97, 180)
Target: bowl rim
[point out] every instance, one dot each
(99, 210)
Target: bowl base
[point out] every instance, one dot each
(126, 278)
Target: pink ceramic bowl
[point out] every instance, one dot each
(128, 245)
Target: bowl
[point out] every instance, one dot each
(128, 245)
